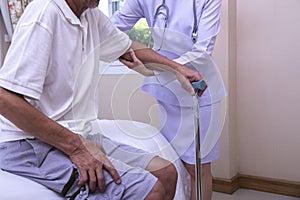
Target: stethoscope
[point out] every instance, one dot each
(163, 9)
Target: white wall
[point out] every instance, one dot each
(225, 55)
(268, 93)
(263, 119)
(120, 97)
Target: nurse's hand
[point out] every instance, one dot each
(136, 65)
(185, 76)
(91, 161)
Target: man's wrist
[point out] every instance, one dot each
(72, 143)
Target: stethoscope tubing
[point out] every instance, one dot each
(164, 6)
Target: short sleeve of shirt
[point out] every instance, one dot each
(31, 45)
(114, 43)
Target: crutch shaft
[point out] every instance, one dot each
(198, 86)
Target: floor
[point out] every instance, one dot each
(243, 194)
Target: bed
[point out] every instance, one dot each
(135, 133)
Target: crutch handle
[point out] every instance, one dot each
(199, 85)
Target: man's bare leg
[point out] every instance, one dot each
(166, 173)
(157, 193)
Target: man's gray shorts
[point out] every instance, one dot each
(50, 167)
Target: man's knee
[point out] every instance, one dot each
(166, 173)
(168, 177)
(163, 169)
(171, 171)
(157, 193)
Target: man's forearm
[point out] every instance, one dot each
(17, 110)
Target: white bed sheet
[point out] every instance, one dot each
(137, 134)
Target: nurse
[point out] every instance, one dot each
(183, 31)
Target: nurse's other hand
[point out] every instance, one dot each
(185, 76)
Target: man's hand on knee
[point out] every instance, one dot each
(91, 160)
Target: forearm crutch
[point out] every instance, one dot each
(198, 87)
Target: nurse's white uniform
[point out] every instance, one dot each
(175, 42)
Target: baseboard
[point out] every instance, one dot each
(239, 181)
(227, 186)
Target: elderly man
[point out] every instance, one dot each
(48, 125)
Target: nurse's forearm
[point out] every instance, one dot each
(17, 110)
(154, 60)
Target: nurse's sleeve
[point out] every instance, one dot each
(209, 25)
(208, 28)
(129, 14)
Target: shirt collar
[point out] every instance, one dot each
(68, 13)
